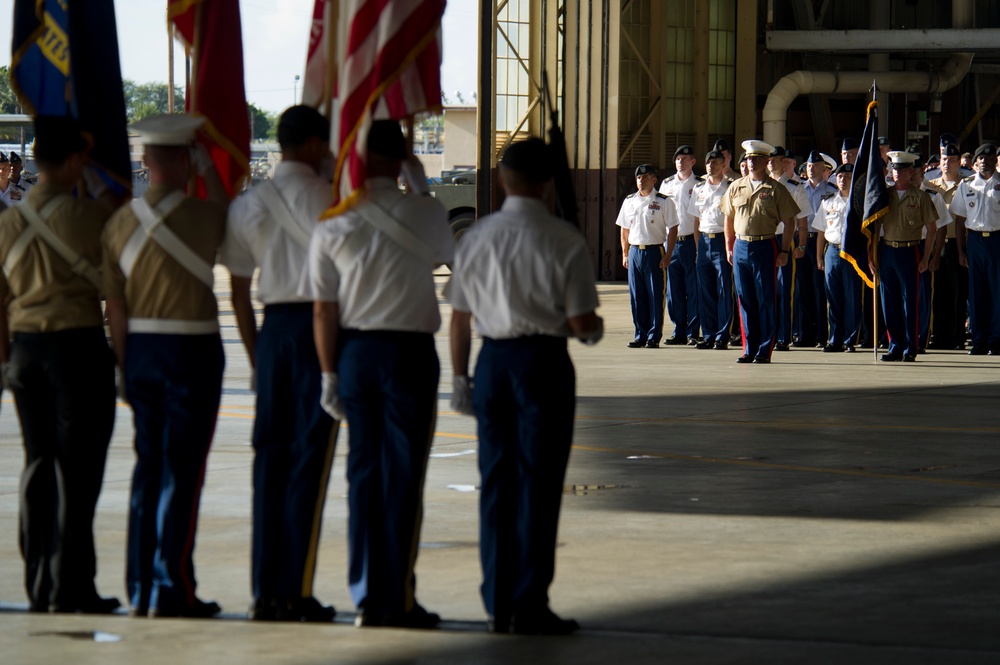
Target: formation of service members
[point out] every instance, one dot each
(350, 310)
(923, 293)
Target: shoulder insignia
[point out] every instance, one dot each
(632, 195)
(793, 182)
(669, 178)
(970, 178)
(661, 196)
(827, 196)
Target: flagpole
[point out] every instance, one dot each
(332, 15)
(874, 241)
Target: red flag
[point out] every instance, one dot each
(211, 33)
(390, 68)
(316, 85)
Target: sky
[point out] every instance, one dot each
(275, 36)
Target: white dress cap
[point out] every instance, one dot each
(901, 158)
(168, 129)
(755, 148)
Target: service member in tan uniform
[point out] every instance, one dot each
(899, 261)
(60, 370)
(754, 206)
(158, 257)
(951, 279)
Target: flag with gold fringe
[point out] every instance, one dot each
(869, 199)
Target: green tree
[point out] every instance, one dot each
(146, 99)
(263, 125)
(10, 104)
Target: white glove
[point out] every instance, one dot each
(413, 174)
(595, 336)
(95, 184)
(200, 159)
(461, 395)
(330, 397)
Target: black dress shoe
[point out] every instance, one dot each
(995, 352)
(652, 345)
(304, 609)
(636, 344)
(263, 609)
(762, 360)
(891, 357)
(745, 358)
(92, 605)
(201, 609)
(676, 341)
(909, 358)
(704, 344)
(978, 351)
(418, 618)
(848, 349)
(693, 341)
(498, 625)
(833, 348)
(542, 623)
(721, 346)
(782, 346)
(803, 344)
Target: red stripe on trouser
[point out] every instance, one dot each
(186, 582)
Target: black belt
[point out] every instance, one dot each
(902, 243)
(835, 245)
(687, 237)
(811, 235)
(985, 234)
(645, 247)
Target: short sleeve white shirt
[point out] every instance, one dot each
(679, 193)
(379, 284)
(978, 200)
(648, 218)
(704, 205)
(255, 240)
(521, 271)
(832, 222)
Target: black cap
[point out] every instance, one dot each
(644, 169)
(722, 145)
(848, 144)
(844, 168)
(742, 158)
(3, 158)
(948, 139)
(934, 160)
(987, 149)
(883, 140)
(15, 158)
(714, 154)
(531, 158)
(57, 137)
(683, 150)
(951, 150)
(301, 123)
(386, 138)
(777, 152)
(918, 163)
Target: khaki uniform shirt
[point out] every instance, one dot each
(45, 294)
(159, 287)
(908, 215)
(758, 212)
(947, 191)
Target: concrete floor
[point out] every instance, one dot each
(823, 509)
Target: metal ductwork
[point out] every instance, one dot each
(806, 82)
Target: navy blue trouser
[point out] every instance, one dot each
(899, 283)
(715, 289)
(646, 287)
(64, 389)
(843, 296)
(810, 297)
(174, 384)
(951, 297)
(926, 295)
(293, 440)
(984, 289)
(524, 399)
(786, 291)
(388, 384)
(756, 288)
(682, 288)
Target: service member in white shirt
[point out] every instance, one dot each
(682, 279)
(371, 276)
(976, 209)
(787, 274)
(843, 283)
(648, 224)
(269, 228)
(715, 274)
(526, 278)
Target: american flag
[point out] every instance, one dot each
(390, 68)
(212, 36)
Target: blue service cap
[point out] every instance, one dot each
(948, 139)
(644, 169)
(848, 144)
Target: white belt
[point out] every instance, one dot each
(173, 326)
